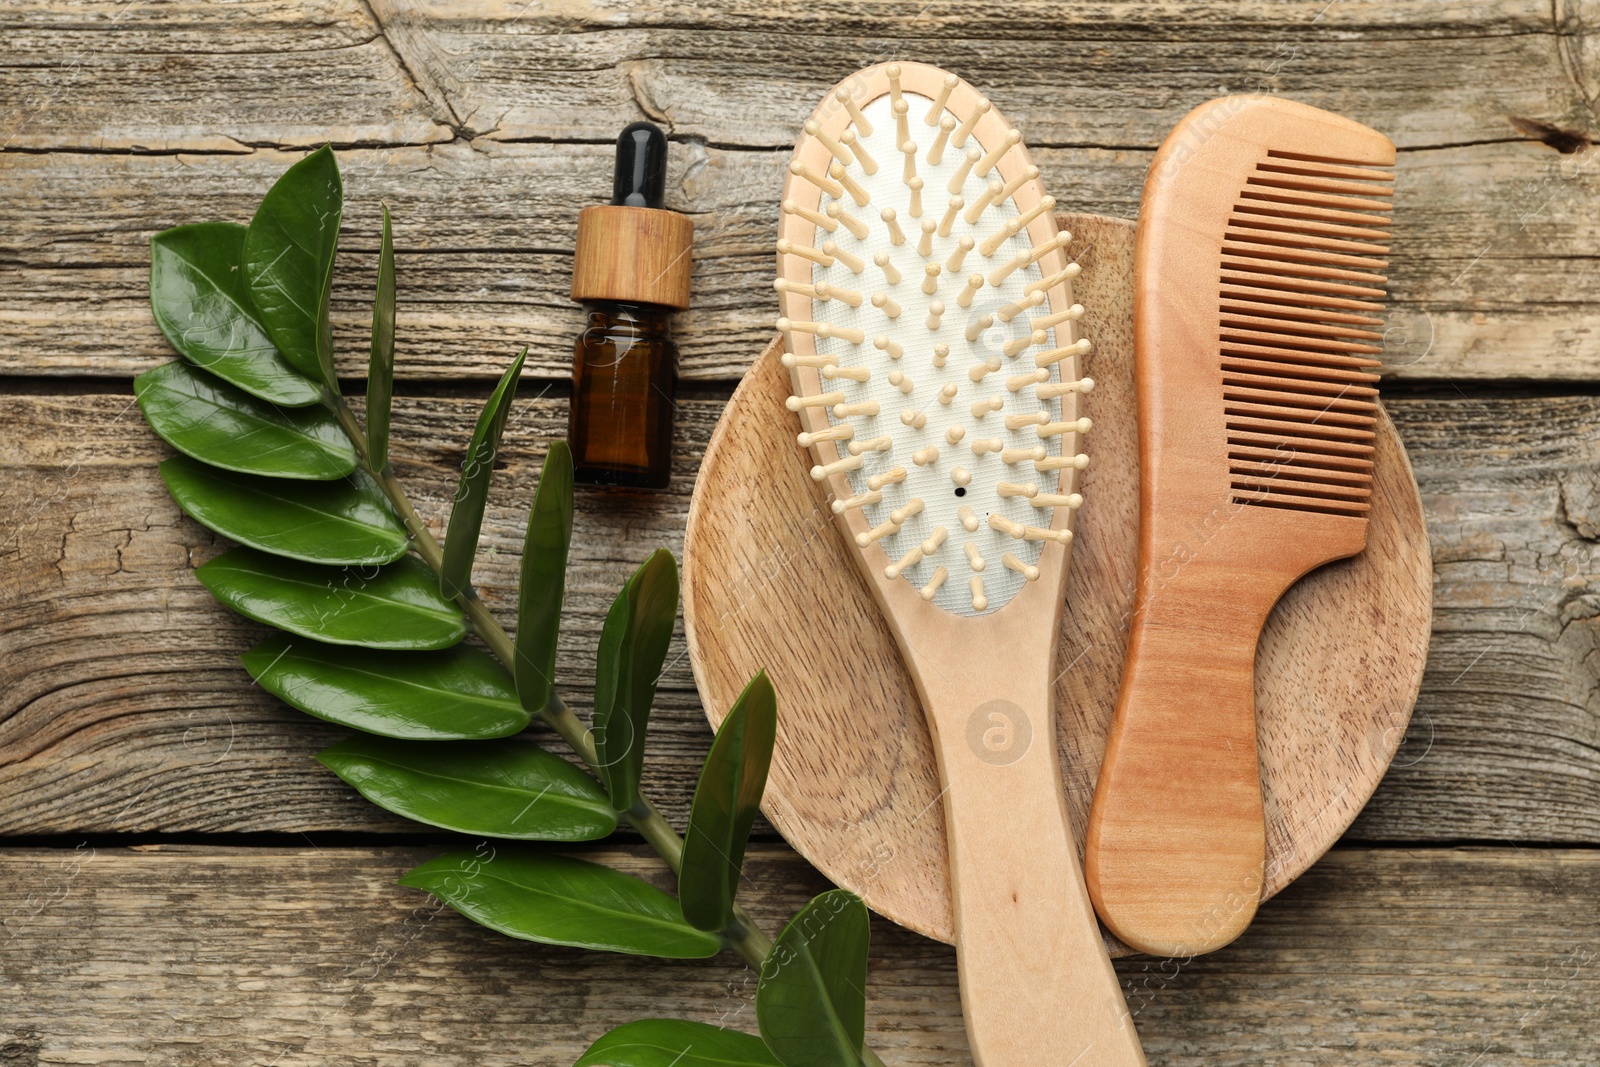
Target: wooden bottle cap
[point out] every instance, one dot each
(638, 255)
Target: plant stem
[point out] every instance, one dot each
(745, 938)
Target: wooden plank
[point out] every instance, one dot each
(188, 76)
(1490, 242)
(190, 955)
(123, 707)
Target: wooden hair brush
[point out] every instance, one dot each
(1261, 239)
(930, 334)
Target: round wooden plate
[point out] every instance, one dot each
(853, 785)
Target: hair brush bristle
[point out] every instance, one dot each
(931, 337)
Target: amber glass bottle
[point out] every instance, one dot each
(631, 271)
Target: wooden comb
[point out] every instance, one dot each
(1262, 234)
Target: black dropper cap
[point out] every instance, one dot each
(641, 176)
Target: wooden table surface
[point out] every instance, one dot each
(182, 884)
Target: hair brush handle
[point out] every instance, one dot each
(1037, 985)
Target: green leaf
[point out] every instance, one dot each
(562, 901)
(214, 422)
(199, 299)
(395, 606)
(288, 261)
(725, 805)
(380, 370)
(633, 646)
(339, 522)
(511, 788)
(811, 999)
(544, 578)
(472, 492)
(461, 693)
(675, 1043)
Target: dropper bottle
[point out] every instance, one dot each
(630, 270)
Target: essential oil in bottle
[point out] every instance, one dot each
(631, 272)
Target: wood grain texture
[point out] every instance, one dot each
(487, 126)
(189, 956)
(123, 706)
(864, 808)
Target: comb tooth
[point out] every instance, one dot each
(909, 171)
(1266, 195)
(1297, 298)
(1318, 346)
(1035, 418)
(1051, 390)
(1299, 241)
(1061, 463)
(849, 139)
(1023, 455)
(897, 236)
(978, 370)
(1004, 525)
(1294, 326)
(1008, 490)
(893, 71)
(1072, 314)
(1351, 479)
(936, 153)
(1012, 563)
(1005, 270)
(984, 407)
(974, 559)
(1039, 533)
(886, 304)
(1306, 183)
(979, 601)
(962, 476)
(929, 591)
(1056, 429)
(1277, 159)
(1028, 174)
(894, 349)
(893, 476)
(851, 186)
(925, 246)
(977, 326)
(900, 381)
(826, 292)
(933, 117)
(1328, 449)
(924, 456)
(890, 274)
(855, 263)
(909, 509)
(1080, 347)
(842, 432)
(984, 446)
(871, 444)
(826, 184)
(935, 311)
(1057, 500)
(951, 210)
(958, 180)
(1011, 311)
(790, 248)
(903, 564)
(1071, 270)
(1001, 147)
(789, 359)
(1297, 223)
(970, 123)
(815, 131)
(837, 212)
(1017, 345)
(792, 208)
(991, 193)
(969, 519)
(854, 109)
(841, 506)
(1022, 381)
(913, 418)
(901, 128)
(877, 533)
(1324, 415)
(1301, 430)
(970, 290)
(1294, 275)
(915, 205)
(953, 264)
(816, 400)
(1298, 374)
(822, 471)
(1273, 497)
(935, 539)
(823, 329)
(930, 273)
(854, 374)
(850, 411)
